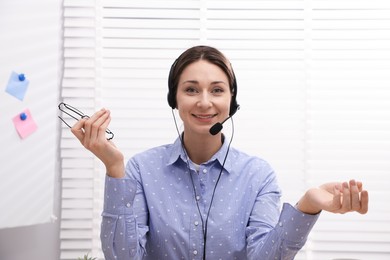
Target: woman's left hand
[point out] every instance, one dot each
(335, 197)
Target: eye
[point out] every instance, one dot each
(218, 90)
(190, 90)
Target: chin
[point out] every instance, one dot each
(201, 130)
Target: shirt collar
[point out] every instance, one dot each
(178, 154)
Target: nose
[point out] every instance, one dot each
(205, 100)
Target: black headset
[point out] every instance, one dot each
(172, 90)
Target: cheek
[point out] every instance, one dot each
(228, 103)
(183, 115)
(181, 107)
(183, 102)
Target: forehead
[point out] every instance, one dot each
(203, 69)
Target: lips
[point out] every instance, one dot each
(201, 116)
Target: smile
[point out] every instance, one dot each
(204, 116)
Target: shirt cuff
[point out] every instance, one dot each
(119, 195)
(295, 225)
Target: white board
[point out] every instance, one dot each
(30, 34)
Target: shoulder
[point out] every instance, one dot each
(148, 161)
(253, 172)
(152, 154)
(244, 159)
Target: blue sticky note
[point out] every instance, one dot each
(17, 85)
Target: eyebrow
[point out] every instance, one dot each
(196, 82)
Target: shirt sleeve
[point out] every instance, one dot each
(285, 239)
(122, 234)
(273, 233)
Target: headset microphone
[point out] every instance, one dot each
(217, 127)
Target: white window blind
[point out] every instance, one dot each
(347, 130)
(313, 85)
(79, 221)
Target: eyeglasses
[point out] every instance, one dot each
(76, 114)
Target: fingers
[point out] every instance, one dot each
(78, 129)
(92, 129)
(363, 202)
(97, 124)
(354, 198)
(363, 199)
(337, 196)
(360, 186)
(346, 205)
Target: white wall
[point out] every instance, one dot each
(29, 176)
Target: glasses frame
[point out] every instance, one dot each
(68, 109)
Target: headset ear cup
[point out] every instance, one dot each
(170, 102)
(171, 97)
(234, 106)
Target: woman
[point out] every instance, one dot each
(198, 198)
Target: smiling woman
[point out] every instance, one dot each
(140, 220)
(313, 87)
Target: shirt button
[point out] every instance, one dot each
(195, 252)
(204, 170)
(128, 205)
(197, 197)
(196, 223)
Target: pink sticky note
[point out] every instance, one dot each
(24, 123)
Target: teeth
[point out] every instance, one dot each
(205, 116)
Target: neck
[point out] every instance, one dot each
(201, 148)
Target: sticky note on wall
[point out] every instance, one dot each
(24, 123)
(17, 85)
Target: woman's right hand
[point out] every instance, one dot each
(91, 132)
